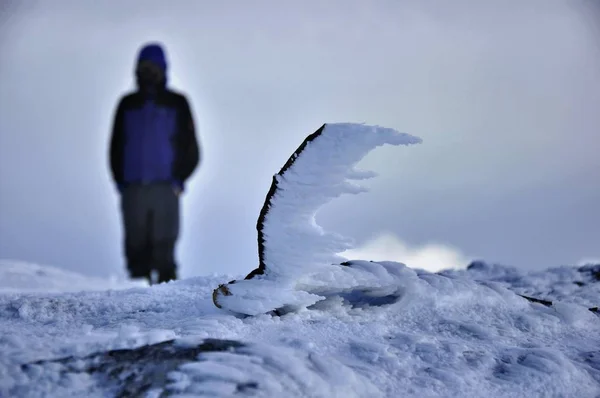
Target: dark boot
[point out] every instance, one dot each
(167, 275)
(135, 273)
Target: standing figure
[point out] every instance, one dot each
(153, 151)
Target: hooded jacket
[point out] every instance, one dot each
(153, 137)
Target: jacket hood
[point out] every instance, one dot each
(153, 52)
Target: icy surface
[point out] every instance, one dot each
(460, 333)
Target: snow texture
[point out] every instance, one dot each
(456, 333)
(295, 253)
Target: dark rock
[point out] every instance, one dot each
(478, 265)
(133, 372)
(592, 271)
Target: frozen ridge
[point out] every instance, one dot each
(299, 262)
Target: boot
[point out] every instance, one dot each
(167, 275)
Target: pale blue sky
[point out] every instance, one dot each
(505, 95)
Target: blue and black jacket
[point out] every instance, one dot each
(153, 138)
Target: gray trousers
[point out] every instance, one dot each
(151, 225)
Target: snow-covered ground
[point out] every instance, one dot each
(358, 329)
(458, 333)
(21, 277)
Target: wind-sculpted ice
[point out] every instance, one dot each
(292, 247)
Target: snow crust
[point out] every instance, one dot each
(456, 333)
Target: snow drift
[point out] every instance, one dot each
(295, 253)
(456, 333)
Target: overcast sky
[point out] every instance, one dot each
(505, 94)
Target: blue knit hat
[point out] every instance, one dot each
(153, 52)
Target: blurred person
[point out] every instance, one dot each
(153, 151)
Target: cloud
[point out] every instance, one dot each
(432, 257)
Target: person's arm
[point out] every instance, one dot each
(188, 146)
(116, 147)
